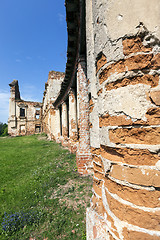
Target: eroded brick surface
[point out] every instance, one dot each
(126, 161)
(134, 45)
(138, 62)
(130, 156)
(138, 235)
(145, 79)
(150, 136)
(101, 61)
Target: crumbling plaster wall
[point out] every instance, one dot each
(125, 105)
(25, 125)
(73, 126)
(50, 118)
(22, 125)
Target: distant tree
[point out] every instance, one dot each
(3, 129)
(1, 126)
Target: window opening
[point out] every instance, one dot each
(22, 112)
(38, 129)
(37, 115)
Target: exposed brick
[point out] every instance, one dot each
(135, 216)
(132, 235)
(135, 62)
(101, 61)
(145, 177)
(100, 91)
(145, 79)
(155, 96)
(97, 186)
(95, 151)
(52, 111)
(129, 156)
(91, 105)
(83, 151)
(153, 116)
(108, 120)
(135, 135)
(134, 45)
(138, 197)
(98, 175)
(156, 61)
(98, 160)
(97, 167)
(94, 232)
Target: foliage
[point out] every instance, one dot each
(39, 182)
(3, 129)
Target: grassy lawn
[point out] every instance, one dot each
(41, 193)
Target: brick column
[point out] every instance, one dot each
(73, 132)
(84, 159)
(126, 182)
(55, 124)
(64, 122)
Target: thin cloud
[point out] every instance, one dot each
(4, 106)
(18, 60)
(42, 58)
(28, 58)
(29, 97)
(61, 17)
(28, 93)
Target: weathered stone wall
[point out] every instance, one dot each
(125, 94)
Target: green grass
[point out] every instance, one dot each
(39, 182)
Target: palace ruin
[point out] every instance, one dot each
(106, 108)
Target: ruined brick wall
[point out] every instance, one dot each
(60, 125)
(83, 156)
(50, 122)
(125, 94)
(26, 122)
(73, 127)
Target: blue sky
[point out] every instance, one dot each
(33, 41)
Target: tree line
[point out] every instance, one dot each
(3, 129)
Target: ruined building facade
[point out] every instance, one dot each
(106, 108)
(24, 116)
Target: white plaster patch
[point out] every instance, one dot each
(120, 17)
(158, 165)
(133, 12)
(130, 100)
(93, 220)
(104, 137)
(94, 131)
(143, 171)
(107, 165)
